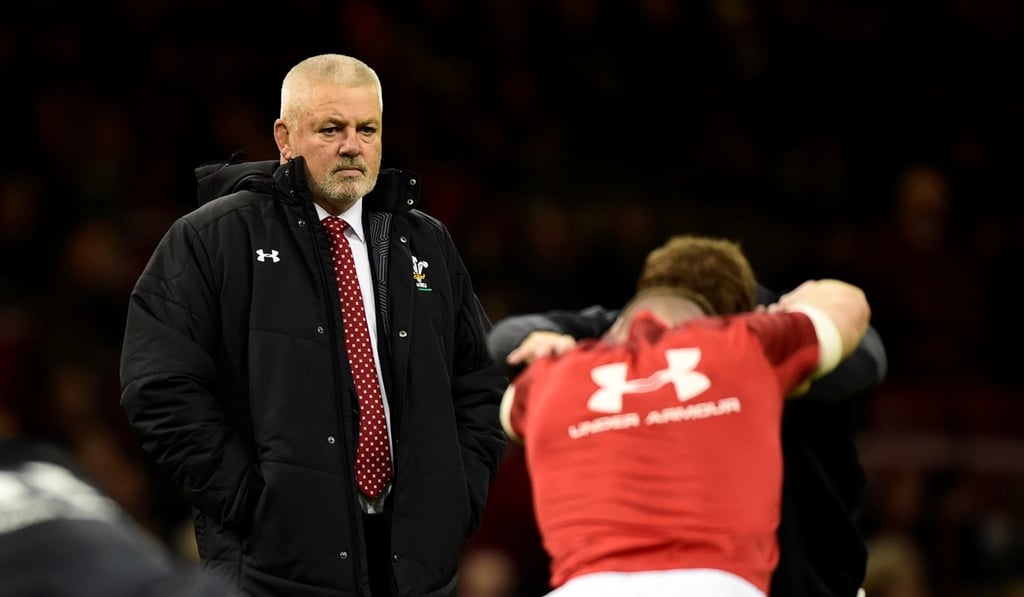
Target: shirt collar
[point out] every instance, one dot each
(353, 216)
(646, 327)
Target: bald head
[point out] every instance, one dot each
(671, 304)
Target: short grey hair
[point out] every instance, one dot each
(325, 68)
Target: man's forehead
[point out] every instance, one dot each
(330, 93)
(334, 115)
(343, 104)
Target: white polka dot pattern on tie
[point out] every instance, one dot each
(373, 453)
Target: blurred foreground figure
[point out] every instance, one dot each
(654, 451)
(59, 534)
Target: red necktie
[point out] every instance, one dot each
(373, 454)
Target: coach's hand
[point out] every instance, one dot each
(540, 344)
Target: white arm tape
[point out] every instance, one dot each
(505, 413)
(829, 341)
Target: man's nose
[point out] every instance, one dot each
(349, 144)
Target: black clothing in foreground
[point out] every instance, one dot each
(59, 535)
(822, 551)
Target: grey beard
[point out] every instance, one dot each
(343, 195)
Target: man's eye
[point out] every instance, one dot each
(329, 130)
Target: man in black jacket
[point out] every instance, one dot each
(238, 370)
(822, 551)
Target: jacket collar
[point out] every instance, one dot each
(217, 179)
(396, 190)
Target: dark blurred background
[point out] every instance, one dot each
(876, 141)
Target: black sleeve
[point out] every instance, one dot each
(477, 385)
(510, 332)
(169, 368)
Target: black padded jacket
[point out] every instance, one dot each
(234, 377)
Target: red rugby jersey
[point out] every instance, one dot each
(663, 452)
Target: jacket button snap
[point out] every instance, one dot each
(403, 239)
(301, 223)
(394, 558)
(319, 329)
(330, 439)
(409, 201)
(343, 555)
(402, 333)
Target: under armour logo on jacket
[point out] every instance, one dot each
(680, 372)
(262, 256)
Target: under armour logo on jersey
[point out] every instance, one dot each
(262, 257)
(680, 372)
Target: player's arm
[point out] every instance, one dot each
(862, 370)
(843, 305)
(839, 312)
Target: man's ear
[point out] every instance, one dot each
(281, 138)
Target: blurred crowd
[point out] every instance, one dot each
(560, 141)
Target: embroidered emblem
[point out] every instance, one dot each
(418, 275)
(262, 256)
